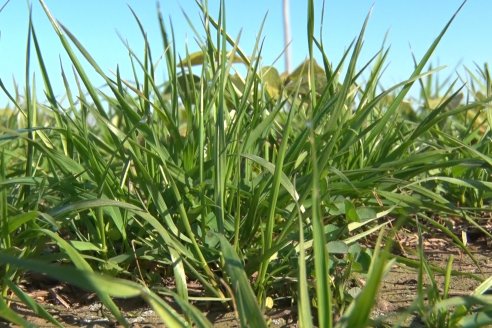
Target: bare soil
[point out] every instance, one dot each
(76, 308)
(399, 289)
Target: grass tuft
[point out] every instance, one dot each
(267, 189)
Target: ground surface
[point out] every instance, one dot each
(399, 289)
(75, 308)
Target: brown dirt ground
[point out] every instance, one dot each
(75, 308)
(399, 288)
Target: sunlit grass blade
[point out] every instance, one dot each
(4, 219)
(48, 87)
(77, 65)
(91, 204)
(358, 314)
(83, 266)
(321, 259)
(7, 313)
(457, 241)
(303, 300)
(339, 106)
(248, 309)
(220, 29)
(481, 318)
(219, 142)
(277, 178)
(30, 112)
(382, 124)
(485, 286)
(100, 284)
(33, 305)
(447, 277)
(284, 180)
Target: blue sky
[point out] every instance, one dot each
(410, 25)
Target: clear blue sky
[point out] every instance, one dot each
(97, 23)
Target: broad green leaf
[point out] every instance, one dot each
(198, 58)
(351, 212)
(271, 81)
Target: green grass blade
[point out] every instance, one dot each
(48, 87)
(382, 124)
(98, 283)
(274, 192)
(10, 315)
(249, 312)
(30, 116)
(483, 287)
(4, 219)
(219, 143)
(284, 180)
(447, 280)
(303, 299)
(82, 265)
(358, 314)
(321, 259)
(77, 65)
(483, 318)
(168, 240)
(32, 304)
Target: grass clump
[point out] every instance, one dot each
(261, 187)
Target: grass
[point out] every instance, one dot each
(261, 187)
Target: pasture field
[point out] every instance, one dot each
(305, 199)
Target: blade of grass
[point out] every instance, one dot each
(30, 115)
(219, 147)
(303, 300)
(358, 313)
(101, 285)
(11, 316)
(48, 88)
(32, 304)
(321, 259)
(485, 286)
(274, 192)
(82, 265)
(77, 65)
(249, 312)
(382, 123)
(5, 242)
(5, 232)
(447, 280)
